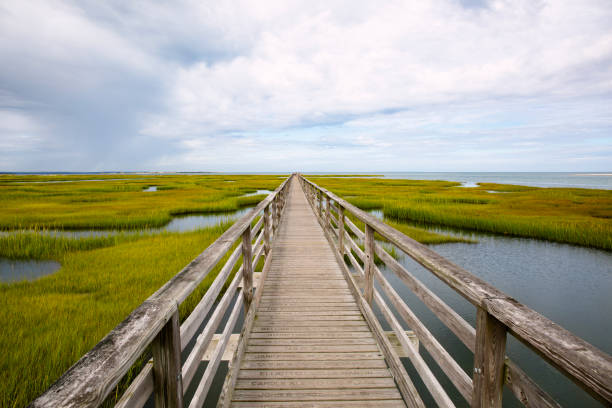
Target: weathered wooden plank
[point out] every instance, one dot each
(312, 356)
(311, 328)
(312, 335)
(452, 320)
(333, 373)
(309, 395)
(525, 389)
(340, 348)
(313, 364)
(284, 314)
(395, 403)
(264, 318)
(201, 391)
(449, 366)
(431, 382)
(310, 342)
(314, 383)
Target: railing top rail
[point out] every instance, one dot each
(89, 381)
(585, 364)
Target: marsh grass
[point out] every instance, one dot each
(49, 323)
(568, 215)
(27, 202)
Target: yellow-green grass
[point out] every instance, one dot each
(121, 204)
(49, 323)
(418, 234)
(569, 215)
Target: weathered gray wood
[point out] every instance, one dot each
(267, 228)
(200, 394)
(405, 385)
(310, 395)
(341, 231)
(525, 389)
(203, 340)
(167, 379)
(444, 360)
(393, 403)
(140, 389)
(586, 365)
(488, 361)
(452, 320)
(368, 268)
(247, 269)
(314, 383)
(435, 389)
(312, 364)
(234, 365)
(304, 273)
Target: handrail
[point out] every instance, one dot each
(155, 323)
(497, 314)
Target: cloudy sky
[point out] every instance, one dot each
(436, 85)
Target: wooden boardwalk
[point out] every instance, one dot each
(310, 345)
(310, 337)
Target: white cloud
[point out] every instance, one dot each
(329, 83)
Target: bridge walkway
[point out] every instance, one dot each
(310, 345)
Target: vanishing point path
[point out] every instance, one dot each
(310, 345)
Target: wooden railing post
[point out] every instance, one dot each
(341, 229)
(320, 203)
(368, 282)
(267, 231)
(247, 268)
(167, 378)
(488, 361)
(327, 211)
(274, 205)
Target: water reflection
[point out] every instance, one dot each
(17, 270)
(568, 284)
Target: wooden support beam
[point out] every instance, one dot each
(267, 228)
(368, 284)
(167, 378)
(247, 268)
(341, 230)
(488, 361)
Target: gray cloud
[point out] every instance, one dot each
(468, 85)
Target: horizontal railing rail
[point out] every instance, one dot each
(155, 324)
(497, 315)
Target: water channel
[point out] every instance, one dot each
(568, 284)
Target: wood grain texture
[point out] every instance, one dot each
(309, 340)
(167, 379)
(580, 361)
(488, 361)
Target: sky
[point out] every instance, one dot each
(316, 85)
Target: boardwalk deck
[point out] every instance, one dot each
(310, 345)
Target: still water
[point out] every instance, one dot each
(568, 284)
(14, 270)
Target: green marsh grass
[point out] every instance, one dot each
(49, 323)
(568, 215)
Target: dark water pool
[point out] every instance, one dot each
(17, 270)
(11, 270)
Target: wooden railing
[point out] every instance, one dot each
(497, 315)
(155, 324)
